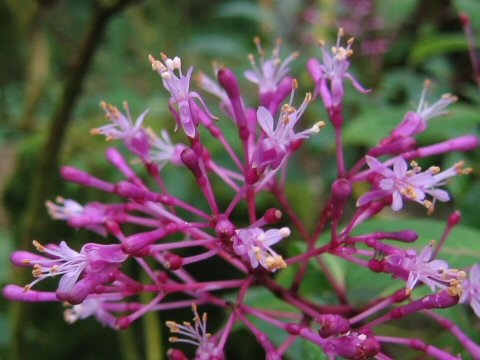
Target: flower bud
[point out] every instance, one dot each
(333, 325)
(173, 262)
(272, 216)
(191, 161)
(341, 191)
(77, 176)
(224, 229)
(454, 218)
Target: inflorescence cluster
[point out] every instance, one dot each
(93, 280)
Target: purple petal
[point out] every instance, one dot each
(337, 90)
(400, 167)
(397, 202)
(475, 303)
(439, 194)
(357, 85)
(378, 167)
(475, 275)
(252, 76)
(265, 120)
(371, 196)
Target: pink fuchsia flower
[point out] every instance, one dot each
(471, 286)
(163, 150)
(93, 305)
(270, 73)
(272, 149)
(91, 216)
(123, 128)
(196, 335)
(334, 69)
(94, 261)
(416, 122)
(412, 184)
(422, 267)
(254, 245)
(179, 87)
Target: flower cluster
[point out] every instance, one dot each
(156, 229)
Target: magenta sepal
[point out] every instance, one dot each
(18, 293)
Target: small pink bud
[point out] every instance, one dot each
(333, 325)
(173, 262)
(375, 265)
(272, 216)
(293, 329)
(191, 161)
(123, 323)
(224, 229)
(401, 296)
(174, 354)
(455, 218)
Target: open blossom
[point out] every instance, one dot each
(179, 87)
(412, 184)
(163, 150)
(334, 69)
(93, 305)
(471, 286)
(272, 149)
(416, 122)
(271, 72)
(197, 335)
(254, 245)
(94, 261)
(92, 216)
(123, 128)
(422, 267)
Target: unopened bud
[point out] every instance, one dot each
(191, 161)
(173, 262)
(272, 216)
(455, 218)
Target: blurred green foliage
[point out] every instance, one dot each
(41, 38)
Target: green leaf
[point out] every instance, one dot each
(311, 351)
(243, 10)
(372, 125)
(428, 47)
(462, 120)
(396, 11)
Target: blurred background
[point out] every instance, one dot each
(60, 58)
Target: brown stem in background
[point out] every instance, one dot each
(102, 15)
